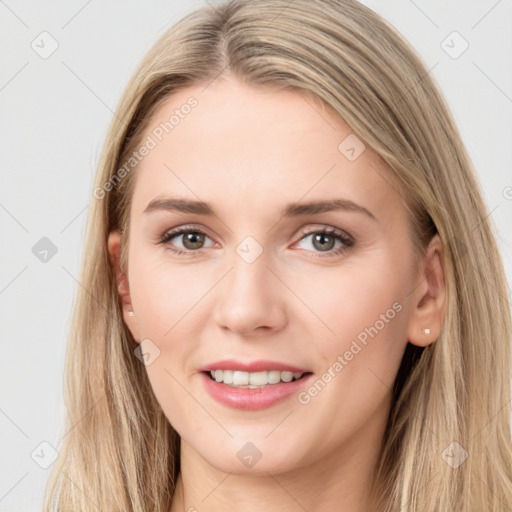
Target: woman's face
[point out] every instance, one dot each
(256, 283)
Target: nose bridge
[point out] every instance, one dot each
(248, 282)
(250, 273)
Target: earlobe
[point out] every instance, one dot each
(123, 287)
(429, 298)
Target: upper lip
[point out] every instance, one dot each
(252, 366)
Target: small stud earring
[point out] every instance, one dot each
(131, 313)
(426, 331)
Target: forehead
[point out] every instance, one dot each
(232, 143)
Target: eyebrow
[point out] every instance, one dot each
(289, 210)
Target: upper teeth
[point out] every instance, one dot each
(253, 379)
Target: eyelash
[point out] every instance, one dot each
(347, 241)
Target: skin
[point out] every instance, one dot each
(248, 152)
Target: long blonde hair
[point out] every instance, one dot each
(118, 451)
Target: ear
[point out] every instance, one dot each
(123, 287)
(429, 298)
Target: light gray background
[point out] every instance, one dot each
(55, 113)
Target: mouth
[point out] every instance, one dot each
(253, 385)
(254, 380)
(253, 391)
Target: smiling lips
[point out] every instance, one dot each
(252, 386)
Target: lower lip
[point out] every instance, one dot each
(252, 399)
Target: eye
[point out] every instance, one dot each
(327, 239)
(192, 240)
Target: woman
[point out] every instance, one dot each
(292, 296)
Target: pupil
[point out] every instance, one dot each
(321, 238)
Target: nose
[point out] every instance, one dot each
(250, 300)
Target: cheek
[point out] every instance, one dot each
(166, 295)
(171, 305)
(363, 326)
(348, 300)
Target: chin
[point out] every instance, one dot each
(257, 457)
